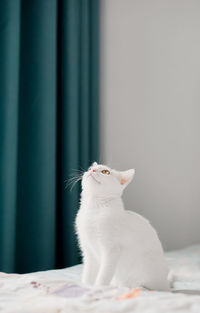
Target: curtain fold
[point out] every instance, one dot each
(9, 91)
(48, 127)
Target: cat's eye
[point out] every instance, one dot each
(106, 172)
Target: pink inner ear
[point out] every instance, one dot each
(122, 181)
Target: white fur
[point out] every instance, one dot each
(119, 247)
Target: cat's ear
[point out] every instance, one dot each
(126, 177)
(94, 164)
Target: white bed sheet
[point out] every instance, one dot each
(61, 291)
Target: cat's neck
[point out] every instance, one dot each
(88, 200)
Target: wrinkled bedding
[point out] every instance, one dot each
(61, 291)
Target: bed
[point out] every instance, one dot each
(61, 291)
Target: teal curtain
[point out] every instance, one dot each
(48, 126)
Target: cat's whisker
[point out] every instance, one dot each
(73, 180)
(77, 170)
(83, 169)
(75, 174)
(70, 180)
(74, 177)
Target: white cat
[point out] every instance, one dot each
(119, 247)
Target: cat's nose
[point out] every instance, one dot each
(92, 171)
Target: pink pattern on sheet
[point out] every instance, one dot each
(71, 291)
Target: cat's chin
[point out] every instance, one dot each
(96, 180)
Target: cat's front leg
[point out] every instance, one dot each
(108, 264)
(90, 268)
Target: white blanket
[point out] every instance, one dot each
(61, 291)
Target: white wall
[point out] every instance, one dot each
(150, 109)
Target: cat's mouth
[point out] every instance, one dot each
(96, 180)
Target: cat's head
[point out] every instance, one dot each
(100, 180)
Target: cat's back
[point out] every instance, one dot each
(136, 221)
(140, 230)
